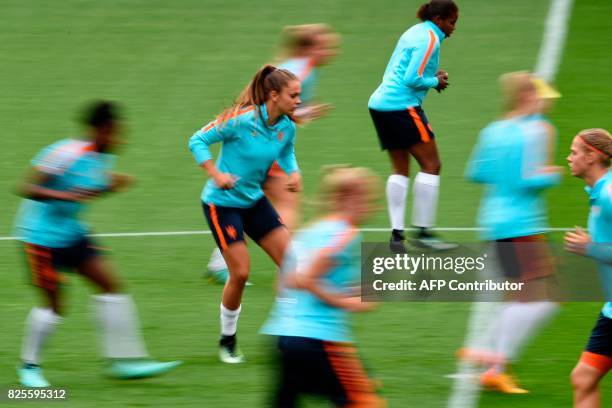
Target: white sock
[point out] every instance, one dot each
(519, 321)
(397, 192)
(41, 322)
(121, 336)
(216, 263)
(425, 202)
(229, 320)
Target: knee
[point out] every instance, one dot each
(580, 381)
(432, 167)
(238, 276)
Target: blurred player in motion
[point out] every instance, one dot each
(65, 177)
(403, 128)
(513, 159)
(589, 159)
(304, 49)
(258, 130)
(316, 296)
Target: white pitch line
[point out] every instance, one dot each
(553, 42)
(207, 232)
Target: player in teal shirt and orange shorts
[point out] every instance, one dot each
(257, 131)
(589, 159)
(65, 177)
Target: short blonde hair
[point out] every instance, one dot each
(340, 180)
(599, 141)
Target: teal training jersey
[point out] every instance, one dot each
(508, 159)
(600, 228)
(249, 147)
(411, 71)
(302, 314)
(305, 70)
(71, 164)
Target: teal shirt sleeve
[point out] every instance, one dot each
(287, 160)
(531, 175)
(215, 132)
(602, 252)
(419, 57)
(480, 167)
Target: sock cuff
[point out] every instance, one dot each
(230, 313)
(47, 314)
(112, 298)
(398, 179)
(429, 179)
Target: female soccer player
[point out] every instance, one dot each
(401, 124)
(589, 159)
(311, 313)
(305, 48)
(65, 177)
(512, 158)
(258, 130)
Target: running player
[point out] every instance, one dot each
(65, 177)
(589, 159)
(258, 130)
(512, 158)
(311, 313)
(401, 124)
(305, 48)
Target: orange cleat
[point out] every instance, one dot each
(501, 382)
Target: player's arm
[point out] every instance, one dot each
(311, 280)
(419, 57)
(579, 242)
(536, 172)
(288, 162)
(481, 166)
(34, 186)
(199, 144)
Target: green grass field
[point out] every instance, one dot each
(174, 65)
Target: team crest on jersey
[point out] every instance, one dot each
(596, 210)
(280, 136)
(231, 231)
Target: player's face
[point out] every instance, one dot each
(578, 159)
(108, 137)
(288, 99)
(447, 25)
(324, 49)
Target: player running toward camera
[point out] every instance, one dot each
(305, 48)
(512, 158)
(589, 159)
(316, 296)
(258, 130)
(65, 177)
(401, 124)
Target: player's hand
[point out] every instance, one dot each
(120, 182)
(442, 80)
(354, 304)
(79, 195)
(552, 169)
(225, 181)
(294, 182)
(313, 112)
(577, 241)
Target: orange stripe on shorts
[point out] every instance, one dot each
(419, 124)
(215, 220)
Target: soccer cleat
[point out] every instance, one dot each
(129, 369)
(30, 375)
(396, 242)
(501, 382)
(426, 240)
(229, 352)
